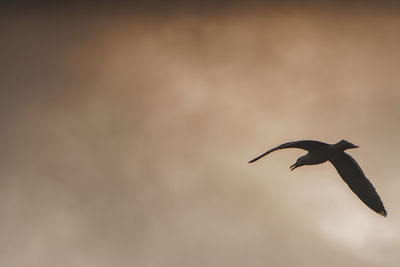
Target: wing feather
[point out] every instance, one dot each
(302, 144)
(355, 178)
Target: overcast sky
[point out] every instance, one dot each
(126, 132)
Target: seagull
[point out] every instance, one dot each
(346, 166)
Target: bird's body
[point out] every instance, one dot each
(347, 167)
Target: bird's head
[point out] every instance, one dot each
(300, 162)
(343, 144)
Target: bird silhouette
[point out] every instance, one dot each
(346, 166)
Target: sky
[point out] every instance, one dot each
(126, 132)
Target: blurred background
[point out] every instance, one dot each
(126, 132)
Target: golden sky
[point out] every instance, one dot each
(126, 132)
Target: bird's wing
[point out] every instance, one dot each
(355, 178)
(303, 144)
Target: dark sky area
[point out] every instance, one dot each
(126, 132)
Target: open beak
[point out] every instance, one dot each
(294, 166)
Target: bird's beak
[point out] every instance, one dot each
(354, 146)
(294, 166)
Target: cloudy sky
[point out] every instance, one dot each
(126, 132)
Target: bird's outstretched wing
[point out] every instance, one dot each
(355, 178)
(303, 144)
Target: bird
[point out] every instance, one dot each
(346, 166)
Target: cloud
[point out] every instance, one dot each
(126, 139)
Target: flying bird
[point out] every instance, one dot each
(346, 166)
